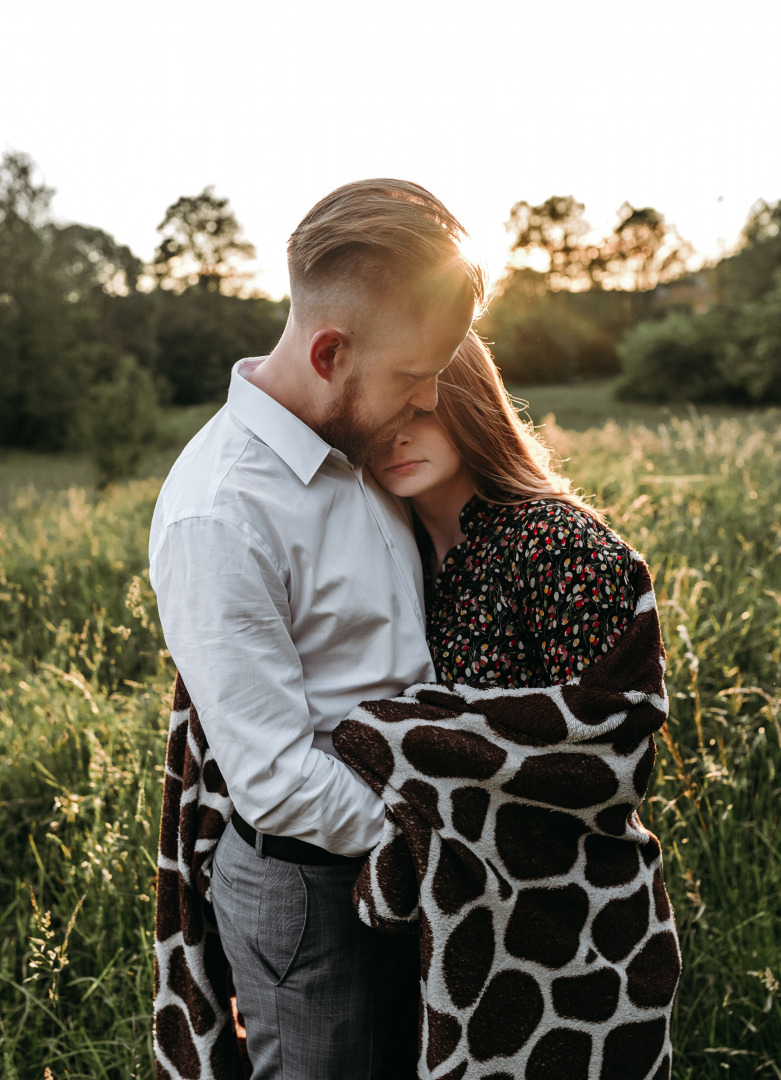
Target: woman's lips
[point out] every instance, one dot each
(403, 467)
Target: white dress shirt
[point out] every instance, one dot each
(290, 589)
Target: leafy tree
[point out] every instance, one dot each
(563, 307)
(24, 201)
(730, 353)
(550, 238)
(749, 273)
(99, 279)
(641, 252)
(763, 224)
(201, 335)
(58, 331)
(201, 246)
(33, 314)
(90, 261)
(24, 228)
(752, 348)
(555, 239)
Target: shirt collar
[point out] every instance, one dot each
(290, 438)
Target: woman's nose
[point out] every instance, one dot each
(402, 437)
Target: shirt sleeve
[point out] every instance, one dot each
(224, 611)
(574, 578)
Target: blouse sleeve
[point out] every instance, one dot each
(574, 580)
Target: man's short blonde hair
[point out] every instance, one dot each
(386, 230)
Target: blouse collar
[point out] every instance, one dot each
(477, 514)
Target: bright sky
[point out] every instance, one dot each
(125, 107)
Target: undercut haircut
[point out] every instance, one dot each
(384, 232)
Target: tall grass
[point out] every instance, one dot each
(84, 699)
(700, 498)
(84, 685)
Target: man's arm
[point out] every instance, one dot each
(224, 610)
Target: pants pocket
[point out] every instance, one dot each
(282, 918)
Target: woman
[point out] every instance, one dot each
(512, 846)
(492, 512)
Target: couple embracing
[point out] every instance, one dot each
(419, 680)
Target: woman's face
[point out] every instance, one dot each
(421, 459)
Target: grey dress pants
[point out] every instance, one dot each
(323, 996)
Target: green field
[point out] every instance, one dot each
(85, 692)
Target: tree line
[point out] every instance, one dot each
(92, 340)
(576, 305)
(728, 352)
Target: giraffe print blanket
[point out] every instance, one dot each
(197, 1031)
(513, 847)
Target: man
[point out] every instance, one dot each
(289, 590)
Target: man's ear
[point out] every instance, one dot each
(327, 352)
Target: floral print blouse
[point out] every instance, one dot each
(533, 595)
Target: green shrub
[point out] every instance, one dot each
(119, 421)
(675, 359)
(752, 353)
(730, 354)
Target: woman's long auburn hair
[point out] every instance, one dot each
(508, 460)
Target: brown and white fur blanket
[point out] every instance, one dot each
(197, 1036)
(513, 847)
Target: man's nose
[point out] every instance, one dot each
(426, 396)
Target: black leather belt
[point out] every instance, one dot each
(289, 848)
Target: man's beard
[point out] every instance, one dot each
(346, 428)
